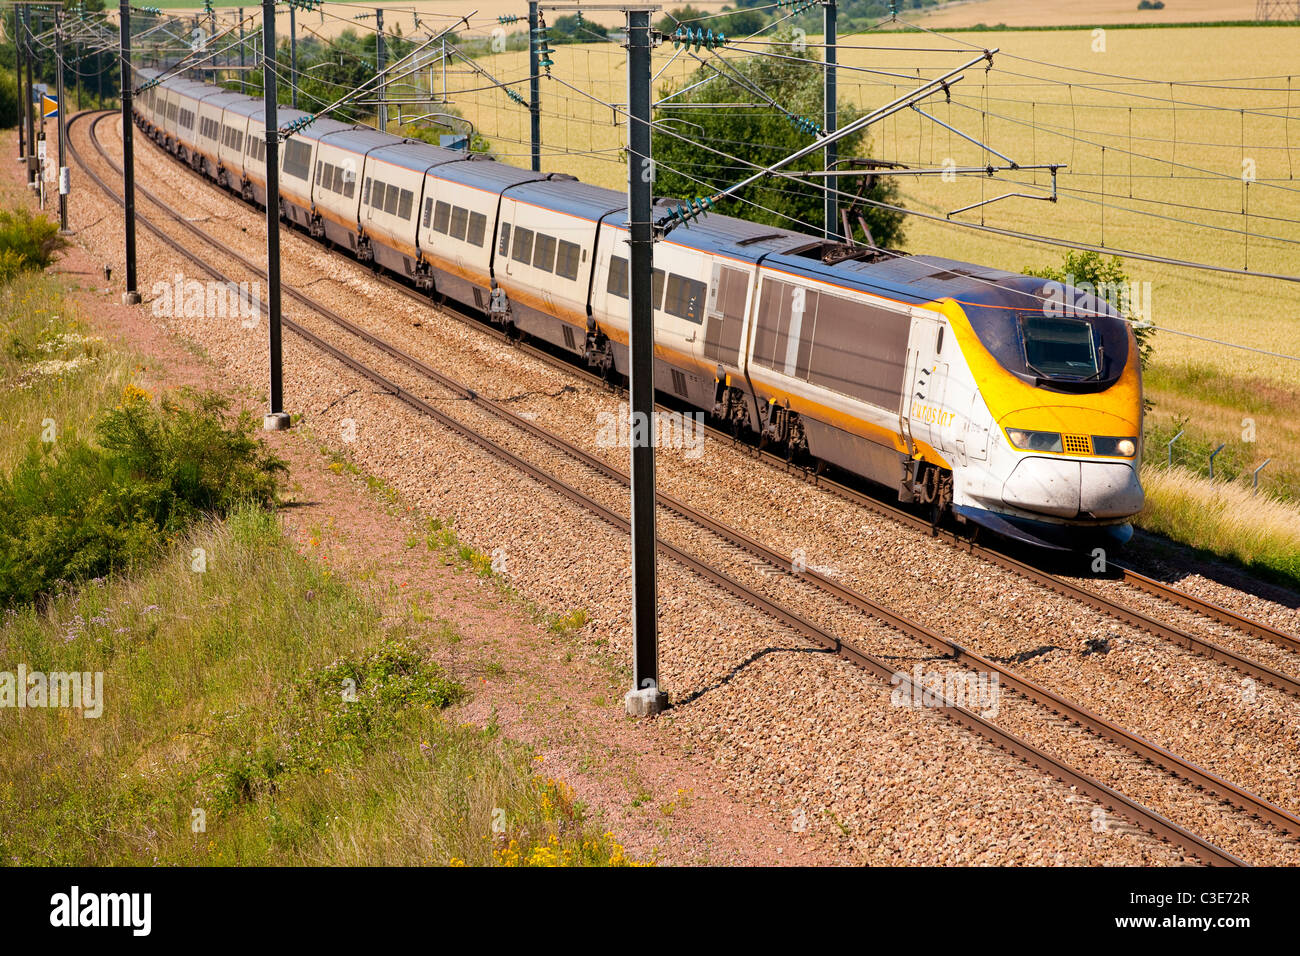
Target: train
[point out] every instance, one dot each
(999, 399)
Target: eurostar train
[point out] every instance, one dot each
(1011, 402)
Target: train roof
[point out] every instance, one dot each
(250, 107)
(570, 196)
(318, 129)
(191, 88)
(907, 278)
(415, 155)
(728, 236)
(227, 98)
(361, 139)
(485, 174)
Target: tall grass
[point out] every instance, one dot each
(257, 710)
(296, 720)
(1259, 531)
(55, 376)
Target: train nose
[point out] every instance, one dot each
(1066, 489)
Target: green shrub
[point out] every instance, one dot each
(91, 508)
(27, 241)
(9, 100)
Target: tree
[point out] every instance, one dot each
(1108, 281)
(736, 22)
(10, 99)
(686, 165)
(576, 29)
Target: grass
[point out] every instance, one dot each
(256, 709)
(1252, 417)
(55, 377)
(262, 713)
(1258, 531)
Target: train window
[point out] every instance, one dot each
(404, 204)
(523, 247)
(566, 260)
(392, 201)
(477, 228)
(727, 316)
(1059, 347)
(441, 217)
(349, 181)
(319, 166)
(297, 159)
(505, 239)
(938, 342)
(428, 211)
(618, 283)
(459, 222)
(377, 195)
(685, 298)
(860, 350)
(237, 138)
(786, 317)
(365, 193)
(657, 290)
(544, 253)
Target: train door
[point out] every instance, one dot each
(977, 429)
(679, 302)
(932, 422)
(366, 212)
(725, 316)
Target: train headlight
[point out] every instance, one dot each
(1034, 441)
(1117, 447)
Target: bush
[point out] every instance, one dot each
(9, 100)
(89, 509)
(27, 241)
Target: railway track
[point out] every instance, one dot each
(1246, 802)
(1058, 584)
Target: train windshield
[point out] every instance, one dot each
(1059, 347)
